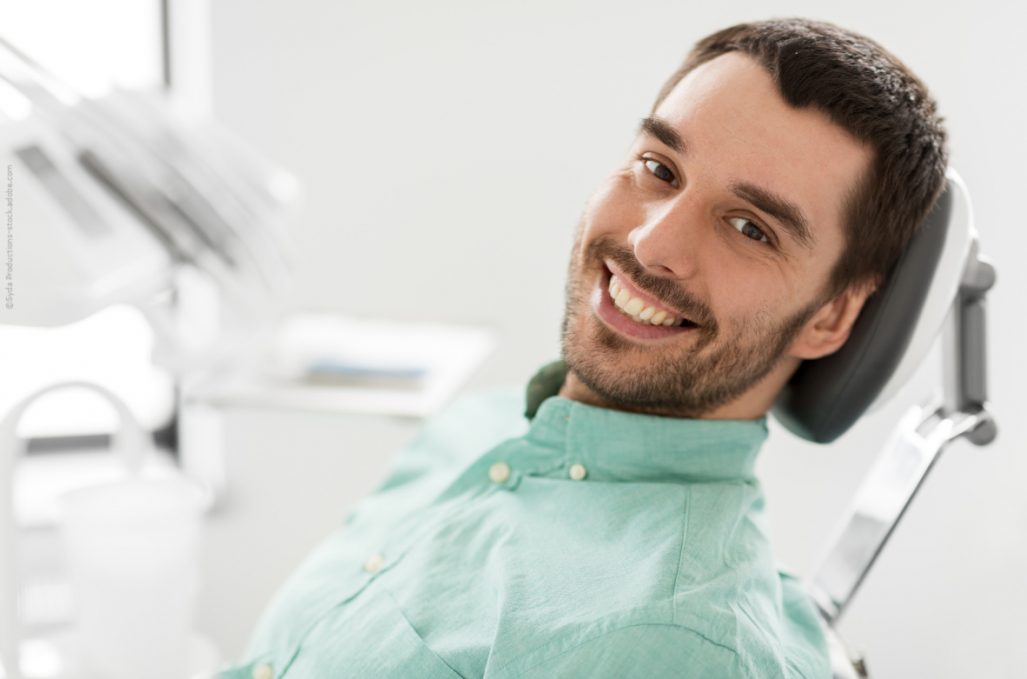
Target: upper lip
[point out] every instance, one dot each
(645, 296)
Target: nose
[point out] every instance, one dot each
(669, 241)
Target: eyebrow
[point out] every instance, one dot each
(661, 129)
(782, 209)
(785, 211)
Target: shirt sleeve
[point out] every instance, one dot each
(648, 651)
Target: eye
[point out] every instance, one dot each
(658, 169)
(749, 229)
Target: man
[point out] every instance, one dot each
(618, 531)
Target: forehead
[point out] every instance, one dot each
(738, 127)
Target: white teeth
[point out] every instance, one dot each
(636, 308)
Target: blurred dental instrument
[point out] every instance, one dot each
(131, 548)
(111, 201)
(120, 202)
(124, 197)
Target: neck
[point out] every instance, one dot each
(752, 404)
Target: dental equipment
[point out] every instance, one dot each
(120, 201)
(938, 287)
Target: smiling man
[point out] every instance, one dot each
(701, 275)
(617, 530)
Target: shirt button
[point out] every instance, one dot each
(578, 471)
(499, 472)
(374, 562)
(263, 671)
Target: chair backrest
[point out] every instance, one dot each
(893, 333)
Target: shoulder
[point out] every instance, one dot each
(459, 433)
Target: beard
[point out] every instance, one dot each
(687, 375)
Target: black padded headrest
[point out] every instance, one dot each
(826, 396)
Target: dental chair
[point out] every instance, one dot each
(938, 287)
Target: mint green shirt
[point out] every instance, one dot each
(585, 542)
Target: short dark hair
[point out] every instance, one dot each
(866, 90)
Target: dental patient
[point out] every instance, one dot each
(608, 523)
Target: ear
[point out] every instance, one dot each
(829, 327)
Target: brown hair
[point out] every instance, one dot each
(865, 89)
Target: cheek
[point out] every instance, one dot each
(611, 209)
(738, 290)
(809, 280)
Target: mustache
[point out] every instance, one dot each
(661, 288)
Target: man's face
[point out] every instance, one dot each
(689, 283)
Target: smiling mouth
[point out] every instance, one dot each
(638, 306)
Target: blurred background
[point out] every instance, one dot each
(445, 151)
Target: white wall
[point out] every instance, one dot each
(447, 149)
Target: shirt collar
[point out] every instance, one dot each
(616, 445)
